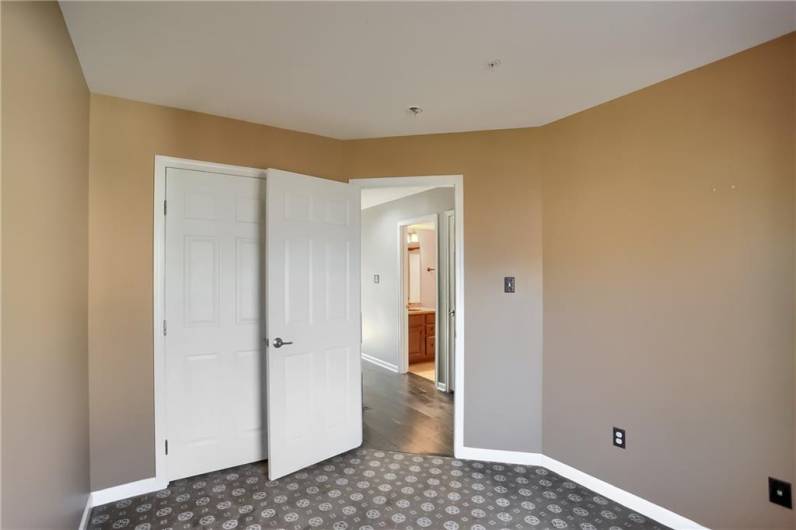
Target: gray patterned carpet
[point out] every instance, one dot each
(368, 489)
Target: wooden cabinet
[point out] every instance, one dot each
(417, 338)
(422, 336)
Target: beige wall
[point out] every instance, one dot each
(668, 258)
(503, 332)
(45, 107)
(125, 137)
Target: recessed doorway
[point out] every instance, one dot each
(409, 296)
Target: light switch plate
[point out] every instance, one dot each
(376, 278)
(508, 284)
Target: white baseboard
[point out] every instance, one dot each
(634, 502)
(84, 520)
(503, 457)
(123, 491)
(378, 362)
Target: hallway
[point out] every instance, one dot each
(404, 412)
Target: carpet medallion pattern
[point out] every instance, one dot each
(368, 489)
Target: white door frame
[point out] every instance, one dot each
(403, 275)
(445, 288)
(457, 182)
(159, 268)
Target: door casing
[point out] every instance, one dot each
(457, 183)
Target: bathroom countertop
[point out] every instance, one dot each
(421, 311)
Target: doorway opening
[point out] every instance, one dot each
(409, 296)
(418, 244)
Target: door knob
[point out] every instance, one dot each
(278, 342)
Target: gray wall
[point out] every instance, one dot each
(380, 256)
(45, 113)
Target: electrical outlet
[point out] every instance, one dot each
(779, 492)
(620, 438)
(508, 284)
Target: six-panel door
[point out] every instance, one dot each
(314, 382)
(215, 318)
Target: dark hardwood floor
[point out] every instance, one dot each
(404, 412)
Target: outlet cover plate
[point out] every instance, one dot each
(620, 438)
(779, 492)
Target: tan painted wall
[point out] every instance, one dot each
(125, 137)
(668, 258)
(45, 107)
(502, 237)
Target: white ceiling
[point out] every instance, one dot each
(375, 196)
(351, 70)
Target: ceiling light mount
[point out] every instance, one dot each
(415, 110)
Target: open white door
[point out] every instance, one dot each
(313, 267)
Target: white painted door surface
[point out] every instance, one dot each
(314, 379)
(215, 318)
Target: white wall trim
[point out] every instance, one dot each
(625, 498)
(457, 182)
(378, 362)
(162, 163)
(84, 519)
(124, 491)
(503, 457)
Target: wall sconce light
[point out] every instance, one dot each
(411, 237)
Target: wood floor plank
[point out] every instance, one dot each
(405, 412)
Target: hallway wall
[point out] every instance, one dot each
(380, 301)
(45, 114)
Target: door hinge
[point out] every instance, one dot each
(165, 207)
(165, 330)
(167, 447)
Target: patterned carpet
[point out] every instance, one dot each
(367, 489)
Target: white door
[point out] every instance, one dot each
(314, 378)
(215, 321)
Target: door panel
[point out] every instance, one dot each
(215, 319)
(314, 390)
